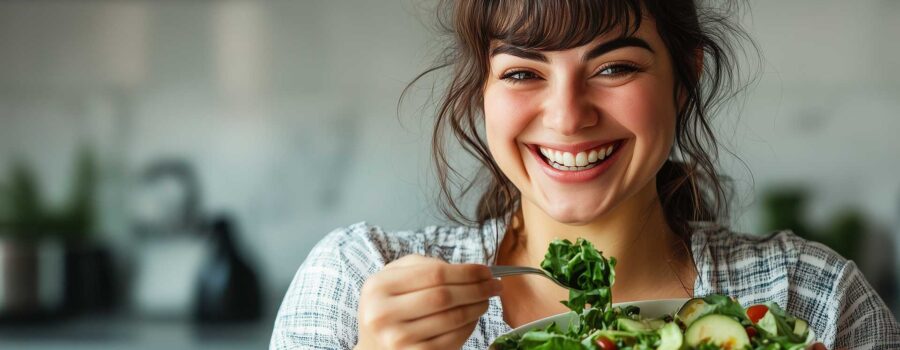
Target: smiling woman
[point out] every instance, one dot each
(591, 120)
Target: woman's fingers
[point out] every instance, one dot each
(426, 273)
(438, 299)
(415, 299)
(447, 321)
(450, 340)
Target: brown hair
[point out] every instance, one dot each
(689, 187)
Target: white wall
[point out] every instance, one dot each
(287, 108)
(826, 105)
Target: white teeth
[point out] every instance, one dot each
(568, 159)
(592, 157)
(572, 168)
(581, 159)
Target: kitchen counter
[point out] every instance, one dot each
(118, 332)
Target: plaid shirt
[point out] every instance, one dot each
(806, 278)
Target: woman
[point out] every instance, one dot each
(590, 118)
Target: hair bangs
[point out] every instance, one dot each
(554, 25)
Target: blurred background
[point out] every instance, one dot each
(165, 166)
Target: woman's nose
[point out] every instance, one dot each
(568, 110)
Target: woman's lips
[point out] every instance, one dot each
(577, 176)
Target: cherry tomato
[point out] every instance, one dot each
(757, 312)
(606, 344)
(751, 331)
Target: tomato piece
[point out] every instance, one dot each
(751, 331)
(606, 344)
(757, 312)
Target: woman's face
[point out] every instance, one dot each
(583, 130)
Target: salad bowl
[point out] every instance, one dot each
(713, 321)
(649, 309)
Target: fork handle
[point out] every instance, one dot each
(502, 270)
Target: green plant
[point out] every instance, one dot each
(784, 207)
(78, 215)
(845, 232)
(24, 215)
(25, 208)
(4, 207)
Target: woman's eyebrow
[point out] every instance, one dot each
(614, 44)
(519, 52)
(599, 50)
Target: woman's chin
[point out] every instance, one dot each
(575, 214)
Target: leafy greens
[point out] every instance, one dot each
(582, 267)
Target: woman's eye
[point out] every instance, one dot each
(518, 76)
(617, 70)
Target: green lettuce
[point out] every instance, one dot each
(582, 267)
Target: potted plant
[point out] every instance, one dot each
(51, 264)
(26, 257)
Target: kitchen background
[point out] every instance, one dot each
(156, 154)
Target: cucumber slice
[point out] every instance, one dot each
(643, 326)
(719, 330)
(692, 310)
(801, 328)
(627, 324)
(768, 324)
(655, 323)
(670, 337)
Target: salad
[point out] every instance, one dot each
(710, 323)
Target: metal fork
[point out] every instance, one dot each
(503, 270)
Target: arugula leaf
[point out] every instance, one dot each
(727, 306)
(544, 340)
(581, 266)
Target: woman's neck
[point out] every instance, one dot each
(635, 233)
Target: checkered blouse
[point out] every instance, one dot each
(806, 278)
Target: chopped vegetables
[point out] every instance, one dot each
(714, 322)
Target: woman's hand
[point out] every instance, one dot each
(423, 303)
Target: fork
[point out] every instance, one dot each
(505, 270)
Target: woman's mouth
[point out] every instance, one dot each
(580, 163)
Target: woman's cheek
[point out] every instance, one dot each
(647, 111)
(506, 118)
(506, 115)
(635, 107)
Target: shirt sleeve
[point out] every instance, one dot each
(320, 307)
(862, 320)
